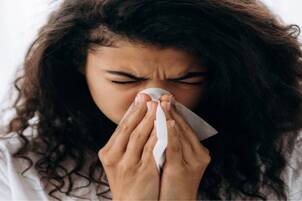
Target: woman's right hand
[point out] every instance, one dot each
(127, 157)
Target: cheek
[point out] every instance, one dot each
(189, 98)
(112, 101)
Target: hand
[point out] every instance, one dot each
(186, 158)
(127, 157)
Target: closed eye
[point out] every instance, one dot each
(124, 82)
(190, 75)
(137, 81)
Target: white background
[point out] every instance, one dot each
(20, 20)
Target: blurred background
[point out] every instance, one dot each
(20, 21)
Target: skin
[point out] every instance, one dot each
(127, 157)
(157, 65)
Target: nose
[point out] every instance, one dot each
(156, 84)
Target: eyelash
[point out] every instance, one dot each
(131, 82)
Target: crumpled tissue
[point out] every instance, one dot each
(202, 129)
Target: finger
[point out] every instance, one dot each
(140, 135)
(166, 97)
(147, 155)
(166, 101)
(187, 149)
(174, 149)
(145, 98)
(166, 108)
(187, 131)
(131, 119)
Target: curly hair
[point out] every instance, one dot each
(253, 97)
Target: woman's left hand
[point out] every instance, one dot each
(186, 158)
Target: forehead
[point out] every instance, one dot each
(138, 55)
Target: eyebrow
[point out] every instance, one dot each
(129, 75)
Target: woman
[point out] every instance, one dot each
(231, 62)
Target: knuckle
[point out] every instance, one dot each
(103, 152)
(174, 142)
(106, 157)
(203, 150)
(137, 108)
(206, 150)
(174, 147)
(208, 159)
(124, 127)
(149, 116)
(106, 161)
(134, 107)
(205, 159)
(135, 136)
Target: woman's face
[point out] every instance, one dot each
(151, 66)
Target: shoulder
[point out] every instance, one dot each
(11, 142)
(292, 148)
(28, 186)
(293, 171)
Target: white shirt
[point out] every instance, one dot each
(14, 186)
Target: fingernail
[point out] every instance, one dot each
(149, 106)
(169, 106)
(166, 105)
(170, 101)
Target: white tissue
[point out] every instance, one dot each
(202, 129)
